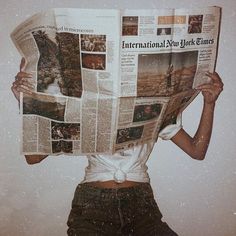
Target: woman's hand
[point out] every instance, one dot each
(23, 82)
(212, 90)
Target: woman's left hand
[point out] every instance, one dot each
(212, 90)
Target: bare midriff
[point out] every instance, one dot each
(113, 184)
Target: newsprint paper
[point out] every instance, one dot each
(107, 80)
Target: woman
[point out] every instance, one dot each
(115, 197)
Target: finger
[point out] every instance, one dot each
(211, 85)
(29, 80)
(22, 63)
(24, 89)
(13, 88)
(205, 86)
(211, 91)
(25, 83)
(23, 74)
(219, 85)
(214, 76)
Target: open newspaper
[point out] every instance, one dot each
(107, 80)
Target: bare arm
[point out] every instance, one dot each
(23, 83)
(197, 146)
(34, 159)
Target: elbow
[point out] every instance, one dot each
(32, 159)
(198, 156)
(31, 162)
(198, 152)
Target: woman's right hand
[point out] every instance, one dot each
(23, 82)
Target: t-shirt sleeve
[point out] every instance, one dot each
(171, 130)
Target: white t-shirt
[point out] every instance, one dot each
(129, 164)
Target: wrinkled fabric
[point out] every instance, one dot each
(110, 212)
(171, 130)
(126, 165)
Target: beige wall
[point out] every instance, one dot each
(196, 198)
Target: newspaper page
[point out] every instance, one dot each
(164, 56)
(73, 56)
(108, 80)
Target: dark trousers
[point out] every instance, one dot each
(125, 211)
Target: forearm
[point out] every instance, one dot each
(202, 137)
(196, 146)
(34, 159)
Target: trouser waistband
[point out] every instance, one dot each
(141, 190)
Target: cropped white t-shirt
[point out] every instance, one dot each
(126, 165)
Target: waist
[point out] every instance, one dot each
(89, 190)
(113, 184)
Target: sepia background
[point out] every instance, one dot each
(197, 198)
